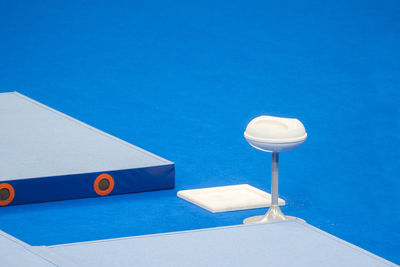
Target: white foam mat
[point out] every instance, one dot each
(228, 198)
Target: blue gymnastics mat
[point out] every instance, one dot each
(47, 156)
(289, 243)
(283, 244)
(14, 252)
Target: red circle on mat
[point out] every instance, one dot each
(12, 194)
(103, 176)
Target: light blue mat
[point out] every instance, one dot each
(290, 243)
(49, 143)
(47, 155)
(14, 252)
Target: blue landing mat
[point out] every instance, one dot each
(14, 252)
(47, 155)
(290, 243)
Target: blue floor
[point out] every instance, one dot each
(183, 79)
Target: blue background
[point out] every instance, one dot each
(182, 79)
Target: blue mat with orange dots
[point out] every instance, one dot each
(47, 156)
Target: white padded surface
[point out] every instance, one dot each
(37, 141)
(228, 198)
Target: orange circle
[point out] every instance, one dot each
(97, 182)
(12, 194)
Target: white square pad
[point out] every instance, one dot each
(228, 198)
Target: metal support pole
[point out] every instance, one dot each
(274, 213)
(274, 179)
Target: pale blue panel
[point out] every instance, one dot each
(291, 243)
(14, 252)
(37, 141)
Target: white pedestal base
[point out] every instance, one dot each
(274, 214)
